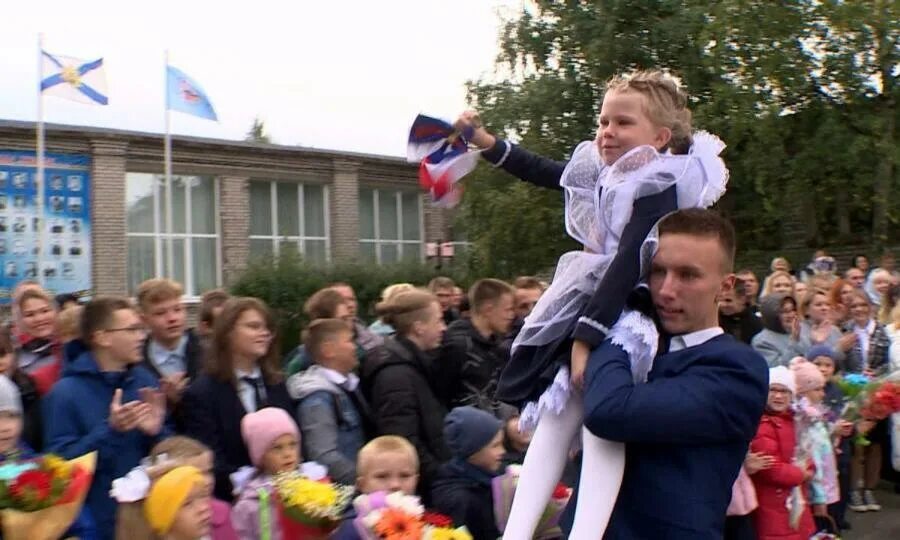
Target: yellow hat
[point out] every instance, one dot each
(167, 496)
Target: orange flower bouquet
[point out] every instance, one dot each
(40, 498)
(395, 516)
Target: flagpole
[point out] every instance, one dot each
(39, 179)
(170, 263)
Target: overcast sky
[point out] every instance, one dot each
(346, 75)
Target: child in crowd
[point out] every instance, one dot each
(105, 402)
(12, 447)
(178, 507)
(824, 358)
(332, 412)
(463, 488)
(814, 437)
(177, 451)
(779, 488)
(388, 463)
(31, 405)
(273, 442)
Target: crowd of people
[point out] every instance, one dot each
(407, 402)
(813, 326)
(404, 403)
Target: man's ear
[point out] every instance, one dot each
(726, 286)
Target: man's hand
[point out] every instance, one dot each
(153, 412)
(580, 353)
(755, 462)
(480, 137)
(865, 426)
(125, 417)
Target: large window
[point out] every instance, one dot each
(286, 215)
(390, 225)
(193, 242)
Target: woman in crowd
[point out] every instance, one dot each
(816, 326)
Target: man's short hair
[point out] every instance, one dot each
(156, 290)
(705, 223)
(528, 282)
(209, 302)
(320, 331)
(323, 304)
(441, 282)
(384, 445)
(98, 315)
(488, 290)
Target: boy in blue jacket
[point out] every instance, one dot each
(105, 402)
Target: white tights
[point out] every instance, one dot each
(603, 465)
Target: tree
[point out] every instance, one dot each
(257, 132)
(804, 93)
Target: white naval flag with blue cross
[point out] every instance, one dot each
(74, 79)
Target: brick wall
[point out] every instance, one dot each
(345, 210)
(109, 244)
(234, 223)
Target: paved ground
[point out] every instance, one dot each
(884, 525)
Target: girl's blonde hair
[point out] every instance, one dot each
(130, 521)
(68, 323)
(391, 291)
(666, 104)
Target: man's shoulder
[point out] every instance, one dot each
(726, 351)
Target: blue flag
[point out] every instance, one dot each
(185, 95)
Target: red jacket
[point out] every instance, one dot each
(776, 437)
(45, 376)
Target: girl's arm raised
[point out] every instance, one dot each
(515, 160)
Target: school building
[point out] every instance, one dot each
(231, 201)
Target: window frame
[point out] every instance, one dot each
(379, 242)
(300, 238)
(162, 239)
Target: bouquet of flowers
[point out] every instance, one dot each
(505, 490)
(40, 498)
(868, 399)
(309, 507)
(395, 516)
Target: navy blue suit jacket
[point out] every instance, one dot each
(686, 433)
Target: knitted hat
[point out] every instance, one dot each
(167, 496)
(783, 376)
(467, 430)
(10, 399)
(260, 429)
(806, 375)
(821, 350)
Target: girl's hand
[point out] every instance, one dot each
(580, 352)
(754, 462)
(820, 510)
(865, 426)
(480, 136)
(795, 329)
(844, 428)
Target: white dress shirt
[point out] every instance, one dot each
(693, 339)
(245, 389)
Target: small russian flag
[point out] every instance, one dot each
(444, 158)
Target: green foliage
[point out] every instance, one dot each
(804, 94)
(286, 282)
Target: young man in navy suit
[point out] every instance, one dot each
(687, 429)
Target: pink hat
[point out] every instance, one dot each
(260, 429)
(807, 375)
